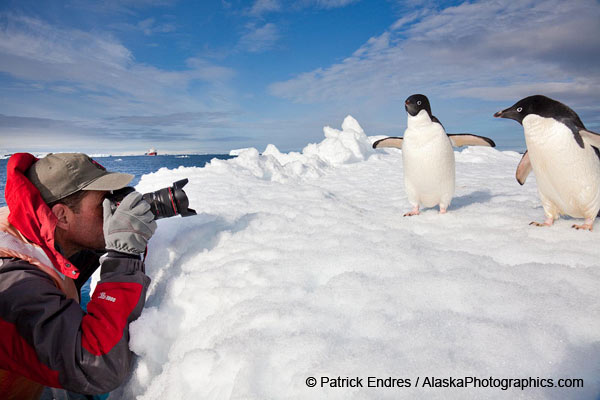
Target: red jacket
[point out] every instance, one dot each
(45, 336)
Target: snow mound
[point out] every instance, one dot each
(342, 147)
(349, 145)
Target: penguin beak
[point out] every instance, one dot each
(410, 108)
(510, 113)
(498, 114)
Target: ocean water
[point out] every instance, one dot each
(135, 165)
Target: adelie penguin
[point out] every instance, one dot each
(564, 157)
(428, 156)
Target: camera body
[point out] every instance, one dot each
(164, 203)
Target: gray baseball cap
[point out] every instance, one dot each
(59, 175)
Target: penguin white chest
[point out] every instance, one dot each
(568, 176)
(428, 160)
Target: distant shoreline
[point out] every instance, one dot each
(101, 155)
(233, 152)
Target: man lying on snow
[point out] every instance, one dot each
(58, 224)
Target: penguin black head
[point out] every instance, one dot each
(544, 107)
(416, 103)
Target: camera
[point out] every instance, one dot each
(164, 203)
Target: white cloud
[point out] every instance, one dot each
(99, 66)
(30, 39)
(332, 3)
(118, 134)
(191, 119)
(68, 86)
(475, 49)
(259, 38)
(207, 71)
(408, 19)
(150, 27)
(263, 6)
(580, 89)
(119, 6)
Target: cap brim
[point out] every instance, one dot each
(110, 181)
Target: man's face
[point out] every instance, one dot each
(85, 227)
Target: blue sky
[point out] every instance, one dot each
(120, 76)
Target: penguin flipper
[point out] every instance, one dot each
(592, 138)
(389, 142)
(523, 169)
(467, 139)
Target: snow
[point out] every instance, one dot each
(301, 265)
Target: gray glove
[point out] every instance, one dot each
(129, 228)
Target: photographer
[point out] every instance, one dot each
(50, 241)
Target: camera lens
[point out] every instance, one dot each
(161, 203)
(164, 203)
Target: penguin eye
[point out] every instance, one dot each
(519, 109)
(419, 102)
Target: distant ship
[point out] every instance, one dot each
(151, 152)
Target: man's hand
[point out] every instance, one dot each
(130, 227)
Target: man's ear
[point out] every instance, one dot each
(62, 213)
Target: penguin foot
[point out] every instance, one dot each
(443, 210)
(584, 227)
(545, 223)
(587, 225)
(415, 211)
